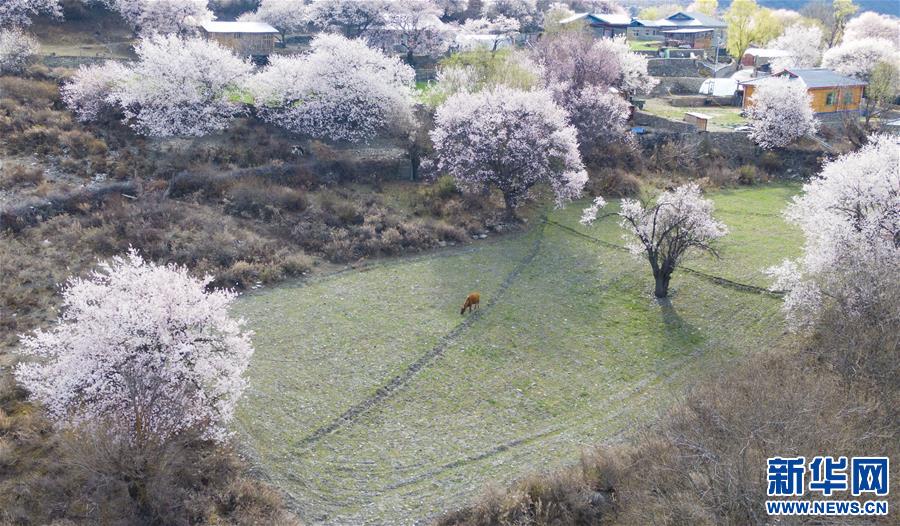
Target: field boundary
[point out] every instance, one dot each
(400, 380)
(718, 280)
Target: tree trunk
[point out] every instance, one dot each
(510, 207)
(662, 285)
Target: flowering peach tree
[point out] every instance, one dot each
(850, 218)
(680, 221)
(511, 140)
(141, 348)
(780, 112)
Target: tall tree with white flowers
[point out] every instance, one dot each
(804, 44)
(850, 218)
(18, 50)
(780, 112)
(287, 16)
(178, 86)
(679, 222)
(149, 17)
(511, 140)
(17, 13)
(341, 90)
(353, 18)
(142, 350)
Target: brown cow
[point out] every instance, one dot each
(472, 301)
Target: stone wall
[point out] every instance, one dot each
(674, 67)
(677, 86)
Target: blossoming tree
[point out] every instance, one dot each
(17, 50)
(354, 18)
(679, 222)
(15, 13)
(803, 42)
(858, 58)
(340, 90)
(143, 349)
(414, 26)
(287, 16)
(89, 93)
(511, 140)
(873, 25)
(180, 86)
(149, 17)
(525, 11)
(780, 112)
(850, 218)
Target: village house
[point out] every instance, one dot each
(682, 29)
(760, 59)
(247, 39)
(830, 91)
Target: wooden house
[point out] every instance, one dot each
(830, 91)
(247, 39)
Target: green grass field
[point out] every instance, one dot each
(723, 117)
(372, 401)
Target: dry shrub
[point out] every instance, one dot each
(87, 477)
(20, 175)
(81, 144)
(614, 182)
(704, 463)
(679, 154)
(260, 199)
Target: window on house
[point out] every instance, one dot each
(830, 98)
(848, 97)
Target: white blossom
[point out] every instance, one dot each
(181, 87)
(17, 50)
(90, 90)
(15, 13)
(525, 11)
(803, 42)
(354, 18)
(858, 58)
(340, 90)
(634, 77)
(415, 28)
(850, 218)
(780, 112)
(287, 16)
(680, 221)
(142, 348)
(501, 27)
(599, 114)
(148, 17)
(509, 139)
(873, 25)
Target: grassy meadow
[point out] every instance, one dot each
(372, 401)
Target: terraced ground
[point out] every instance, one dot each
(372, 401)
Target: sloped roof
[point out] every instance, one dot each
(813, 78)
(690, 18)
(612, 20)
(687, 30)
(238, 27)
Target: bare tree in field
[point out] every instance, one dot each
(679, 222)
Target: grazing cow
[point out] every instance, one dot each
(472, 301)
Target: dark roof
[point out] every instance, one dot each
(700, 19)
(813, 78)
